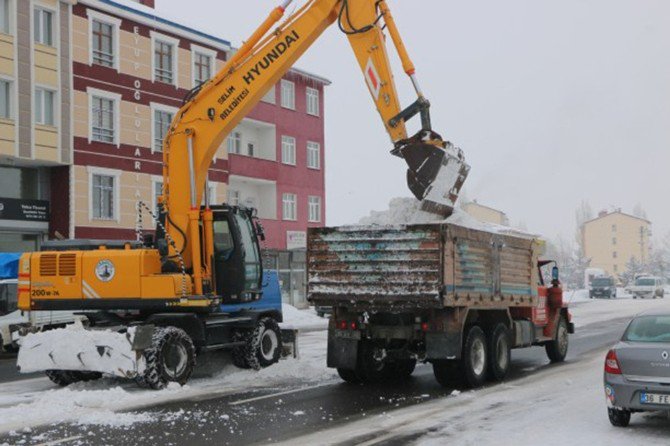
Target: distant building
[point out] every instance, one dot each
(485, 214)
(612, 239)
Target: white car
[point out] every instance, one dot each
(648, 286)
(13, 322)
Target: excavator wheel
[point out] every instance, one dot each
(170, 358)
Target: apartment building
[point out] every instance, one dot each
(35, 126)
(613, 238)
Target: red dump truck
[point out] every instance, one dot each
(456, 297)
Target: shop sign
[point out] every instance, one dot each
(296, 240)
(24, 210)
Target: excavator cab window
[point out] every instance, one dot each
(237, 258)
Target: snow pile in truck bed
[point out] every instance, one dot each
(407, 211)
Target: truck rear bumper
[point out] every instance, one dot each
(78, 349)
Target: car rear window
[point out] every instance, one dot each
(645, 282)
(648, 329)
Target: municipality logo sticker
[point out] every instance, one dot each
(105, 270)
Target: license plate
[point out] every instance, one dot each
(348, 334)
(654, 398)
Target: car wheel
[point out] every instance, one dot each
(619, 417)
(499, 351)
(557, 349)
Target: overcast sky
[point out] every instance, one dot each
(552, 102)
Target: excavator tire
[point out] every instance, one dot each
(66, 377)
(239, 354)
(263, 345)
(171, 358)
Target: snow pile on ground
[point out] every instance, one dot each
(404, 211)
(303, 320)
(37, 401)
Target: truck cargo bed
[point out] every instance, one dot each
(420, 266)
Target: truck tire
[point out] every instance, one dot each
(618, 417)
(402, 369)
(264, 344)
(171, 358)
(66, 377)
(471, 370)
(557, 349)
(499, 349)
(349, 376)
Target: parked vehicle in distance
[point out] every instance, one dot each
(637, 369)
(15, 323)
(604, 286)
(647, 286)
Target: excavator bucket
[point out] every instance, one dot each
(436, 172)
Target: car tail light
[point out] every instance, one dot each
(612, 364)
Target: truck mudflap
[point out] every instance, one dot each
(78, 349)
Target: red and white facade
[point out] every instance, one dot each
(131, 71)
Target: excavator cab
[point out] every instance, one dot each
(238, 266)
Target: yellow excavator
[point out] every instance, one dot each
(162, 296)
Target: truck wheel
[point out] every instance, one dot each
(349, 376)
(558, 348)
(474, 361)
(263, 344)
(499, 353)
(402, 369)
(618, 417)
(447, 372)
(171, 358)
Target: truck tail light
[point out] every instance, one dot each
(424, 326)
(612, 363)
(342, 325)
(353, 325)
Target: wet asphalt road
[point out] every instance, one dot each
(279, 414)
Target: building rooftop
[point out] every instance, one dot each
(619, 212)
(147, 15)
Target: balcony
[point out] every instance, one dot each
(253, 192)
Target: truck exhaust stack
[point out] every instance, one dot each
(436, 173)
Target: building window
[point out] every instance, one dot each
(313, 155)
(162, 121)
(165, 65)
(614, 255)
(288, 94)
(312, 101)
(103, 119)
(44, 107)
(614, 240)
(202, 68)
(613, 228)
(103, 43)
(103, 197)
(314, 209)
(289, 207)
(234, 143)
(5, 24)
(616, 268)
(43, 24)
(5, 99)
(233, 197)
(288, 150)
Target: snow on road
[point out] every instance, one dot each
(35, 402)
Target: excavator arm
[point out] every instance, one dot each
(436, 169)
